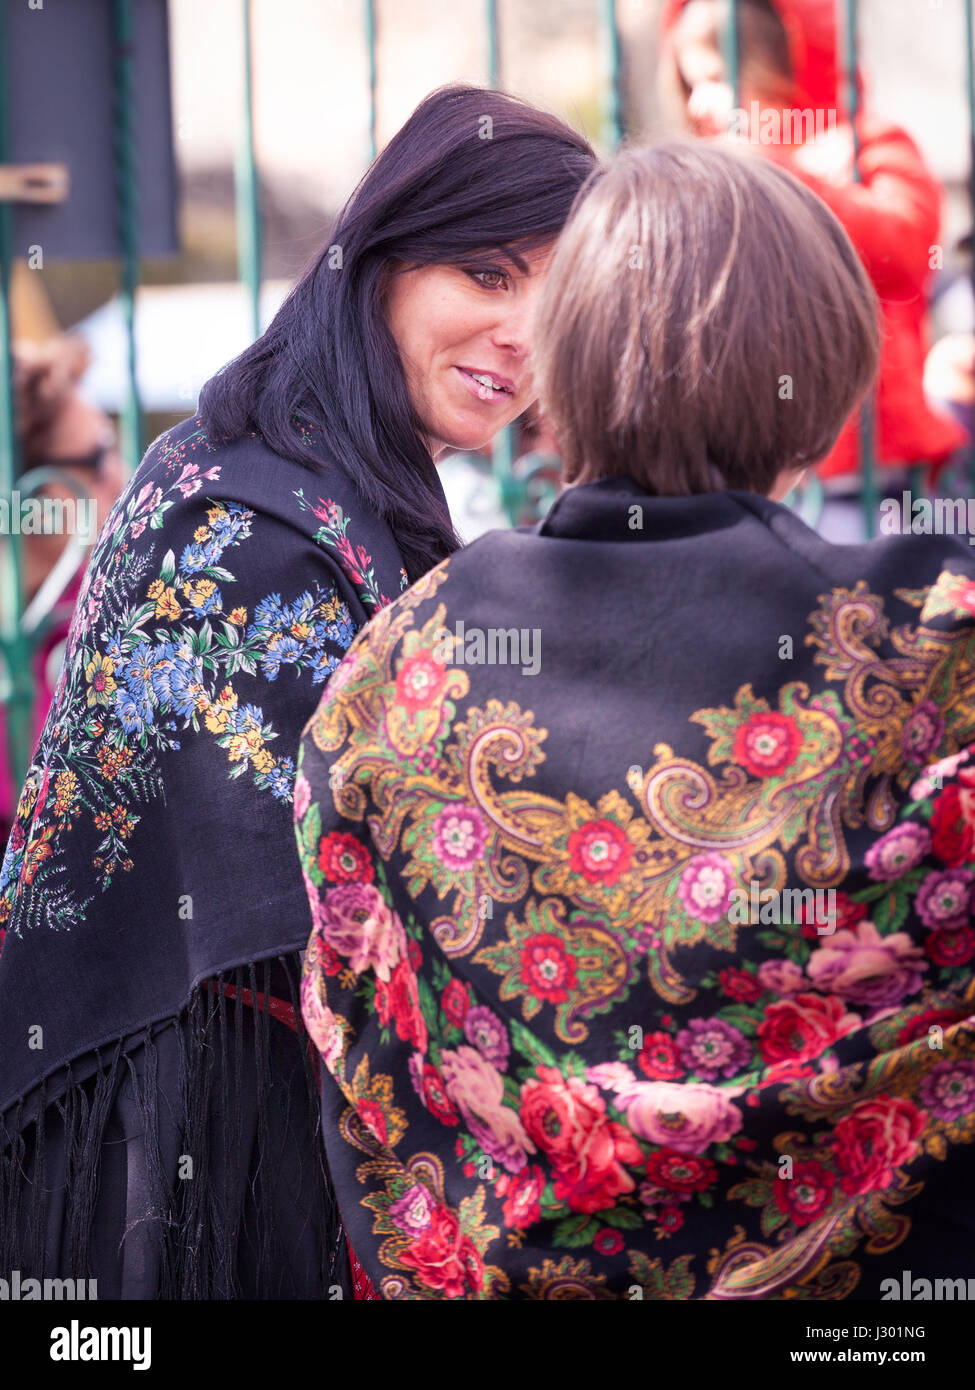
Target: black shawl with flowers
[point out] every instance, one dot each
(158, 1112)
(642, 951)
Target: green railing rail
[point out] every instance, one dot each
(518, 481)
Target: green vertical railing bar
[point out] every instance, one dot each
(123, 135)
(246, 188)
(970, 75)
(613, 125)
(867, 410)
(732, 53)
(494, 44)
(371, 61)
(17, 692)
(503, 445)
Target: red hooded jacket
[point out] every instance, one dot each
(893, 218)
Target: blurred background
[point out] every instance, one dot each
(167, 169)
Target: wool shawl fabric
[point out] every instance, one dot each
(158, 1112)
(641, 962)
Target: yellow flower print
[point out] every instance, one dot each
(262, 761)
(167, 604)
(237, 748)
(101, 685)
(201, 534)
(218, 712)
(238, 617)
(199, 592)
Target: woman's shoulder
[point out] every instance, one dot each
(189, 478)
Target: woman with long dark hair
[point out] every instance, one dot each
(158, 1105)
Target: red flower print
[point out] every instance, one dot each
(802, 1028)
(608, 1242)
(455, 1001)
(328, 961)
(738, 984)
(371, 1114)
(670, 1219)
(766, 744)
(953, 822)
(419, 682)
(951, 946)
(404, 1006)
(918, 1027)
(413, 953)
(805, 1195)
(566, 1119)
(547, 969)
(870, 1142)
(522, 1196)
(444, 1258)
(680, 1172)
(849, 915)
(659, 1058)
(37, 851)
(436, 1099)
(342, 859)
(789, 1070)
(599, 851)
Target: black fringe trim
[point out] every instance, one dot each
(182, 1162)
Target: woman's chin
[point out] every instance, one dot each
(474, 437)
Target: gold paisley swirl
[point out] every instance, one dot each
(667, 981)
(694, 789)
(824, 859)
(508, 742)
(742, 1277)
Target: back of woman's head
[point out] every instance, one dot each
(471, 170)
(705, 324)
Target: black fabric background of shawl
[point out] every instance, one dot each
(134, 1049)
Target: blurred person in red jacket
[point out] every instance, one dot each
(793, 110)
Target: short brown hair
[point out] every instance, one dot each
(705, 323)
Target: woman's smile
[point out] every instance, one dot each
(490, 387)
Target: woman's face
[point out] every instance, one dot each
(464, 336)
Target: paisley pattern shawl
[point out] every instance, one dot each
(590, 1032)
(152, 848)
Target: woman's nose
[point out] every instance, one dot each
(513, 329)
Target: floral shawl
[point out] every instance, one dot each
(150, 895)
(589, 1032)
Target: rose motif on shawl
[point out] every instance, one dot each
(863, 967)
(477, 1089)
(355, 921)
(599, 851)
(459, 837)
(567, 1119)
(687, 1117)
(897, 852)
(944, 899)
(705, 887)
(877, 1136)
(802, 1028)
(767, 743)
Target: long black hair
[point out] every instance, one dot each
(471, 170)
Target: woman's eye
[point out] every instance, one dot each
(490, 279)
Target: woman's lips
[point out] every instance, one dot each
(487, 393)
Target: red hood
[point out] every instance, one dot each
(813, 30)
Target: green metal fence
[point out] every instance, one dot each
(17, 638)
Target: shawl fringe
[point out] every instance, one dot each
(166, 1165)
